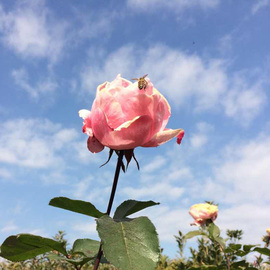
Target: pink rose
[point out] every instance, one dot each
(203, 212)
(124, 117)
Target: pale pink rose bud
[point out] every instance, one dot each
(124, 117)
(203, 212)
(268, 231)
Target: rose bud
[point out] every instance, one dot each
(124, 117)
(203, 213)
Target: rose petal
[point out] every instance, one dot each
(163, 137)
(138, 131)
(180, 136)
(84, 113)
(87, 131)
(94, 145)
(127, 136)
(203, 212)
(167, 110)
(101, 86)
(87, 123)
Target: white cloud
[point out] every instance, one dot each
(244, 101)
(43, 87)
(31, 30)
(93, 188)
(157, 163)
(33, 143)
(240, 172)
(177, 174)
(9, 227)
(89, 26)
(4, 173)
(170, 222)
(3, 110)
(88, 228)
(259, 4)
(225, 43)
(206, 84)
(81, 188)
(122, 61)
(56, 177)
(159, 191)
(246, 169)
(200, 138)
(173, 5)
(250, 218)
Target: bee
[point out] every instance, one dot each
(142, 82)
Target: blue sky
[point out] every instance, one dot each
(209, 58)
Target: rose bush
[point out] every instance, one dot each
(124, 117)
(203, 212)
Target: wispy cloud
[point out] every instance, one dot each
(41, 88)
(88, 228)
(200, 138)
(251, 218)
(245, 100)
(32, 31)
(33, 143)
(246, 169)
(4, 174)
(157, 191)
(87, 26)
(259, 5)
(240, 170)
(208, 84)
(9, 227)
(226, 44)
(173, 5)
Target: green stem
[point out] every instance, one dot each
(115, 181)
(228, 259)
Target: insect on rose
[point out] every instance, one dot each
(142, 83)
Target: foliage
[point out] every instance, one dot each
(209, 254)
(129, 253)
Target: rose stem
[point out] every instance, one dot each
(115, 181)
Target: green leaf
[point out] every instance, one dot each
(75, 262)
(130, 244)
(26, 246)
(242, 263)
(235, 247)
(213, 230)
(247, 248)
(193, 233)
(263, 251)
(77, 206)
(130, 207)
(241, 253)
(204, 267)
(221, 241)
(87, 247)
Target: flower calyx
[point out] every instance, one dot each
(128, 153)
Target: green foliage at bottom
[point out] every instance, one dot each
(207, 255)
